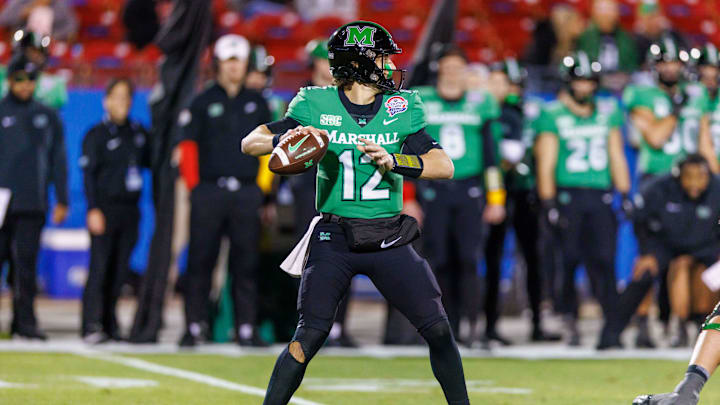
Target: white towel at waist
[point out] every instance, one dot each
(294, 263)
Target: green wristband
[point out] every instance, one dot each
(712, 326)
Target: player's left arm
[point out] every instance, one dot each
(705, 144)
(618, 164)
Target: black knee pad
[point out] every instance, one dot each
(311, 340)
(438, 333)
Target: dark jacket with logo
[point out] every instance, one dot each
(32, 154)
(112, 158)
(218, 123)
(667, 219)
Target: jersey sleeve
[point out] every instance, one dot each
(417, 114)
(299, 108)
(545, 123)
(617, 117)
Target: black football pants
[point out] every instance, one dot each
(523, 212)
(19, 245)
(453, 237)
(588, 235)
(214, 213)
(109, 267)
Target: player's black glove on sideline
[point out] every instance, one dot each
(550, 213)
(627, 207)
(678, 102)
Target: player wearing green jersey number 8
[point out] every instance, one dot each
(376, 136)
(458, 210)
(580, 158)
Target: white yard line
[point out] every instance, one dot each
(184, 374)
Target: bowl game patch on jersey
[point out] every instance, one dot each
(396, 105)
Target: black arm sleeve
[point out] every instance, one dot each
(419, 143)
(59, 162)
(265, 115)
(489, 157)
(89, 164)
(281, 126)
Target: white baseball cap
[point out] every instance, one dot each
(232, 46)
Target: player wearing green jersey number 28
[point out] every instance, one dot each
(458, 210)
(370, 123)
(671, 117)
(580, 158)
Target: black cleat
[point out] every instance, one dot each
(539, 335)
(342, 341)
(494, 336)
(644, 341)
(30, 334)
(188, 340)
(254, 341)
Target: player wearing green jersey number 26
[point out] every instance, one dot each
(580, 158)
(376, 136)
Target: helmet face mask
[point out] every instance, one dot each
(581, 76)
(360, 51)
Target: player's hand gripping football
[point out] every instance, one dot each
(377, 153)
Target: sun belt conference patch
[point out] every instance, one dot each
(396, 105)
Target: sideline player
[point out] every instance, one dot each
(708, 70)
(359, 193)
(457, 210)
(580, 158)
(704, 361)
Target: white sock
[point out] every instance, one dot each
(245, 331)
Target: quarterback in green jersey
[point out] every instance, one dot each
(580, 159)
(708, 69)
(671, 117)
(459, 210)
(376, 136)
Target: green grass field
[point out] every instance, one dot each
(52, 378)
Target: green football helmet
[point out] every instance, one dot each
(513, 70)
(352, 50)
(708, 55)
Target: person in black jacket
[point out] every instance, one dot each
(32, 156)
(114, 151)
(225, 198)
(676, 225)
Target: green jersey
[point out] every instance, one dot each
(50, 90)
(349, 184)
(583, 157)
(457, 126)
(714, 105)
(684, 138)
(522, 176)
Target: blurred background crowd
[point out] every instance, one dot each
(151, 202)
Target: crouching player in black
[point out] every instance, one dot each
(359, 194)
(675, 222)
(704, 361)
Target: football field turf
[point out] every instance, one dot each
(188, 378)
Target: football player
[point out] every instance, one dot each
(708, 69)
(580, 158)
(454, 231)
(518, 113)
(670, 119)
(376, 136)
(704, 361)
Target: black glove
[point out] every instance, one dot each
(678, 102)
(550, 212)
(627, 206)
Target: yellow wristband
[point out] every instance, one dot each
(496, 197)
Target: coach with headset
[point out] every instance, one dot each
(225, 199)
